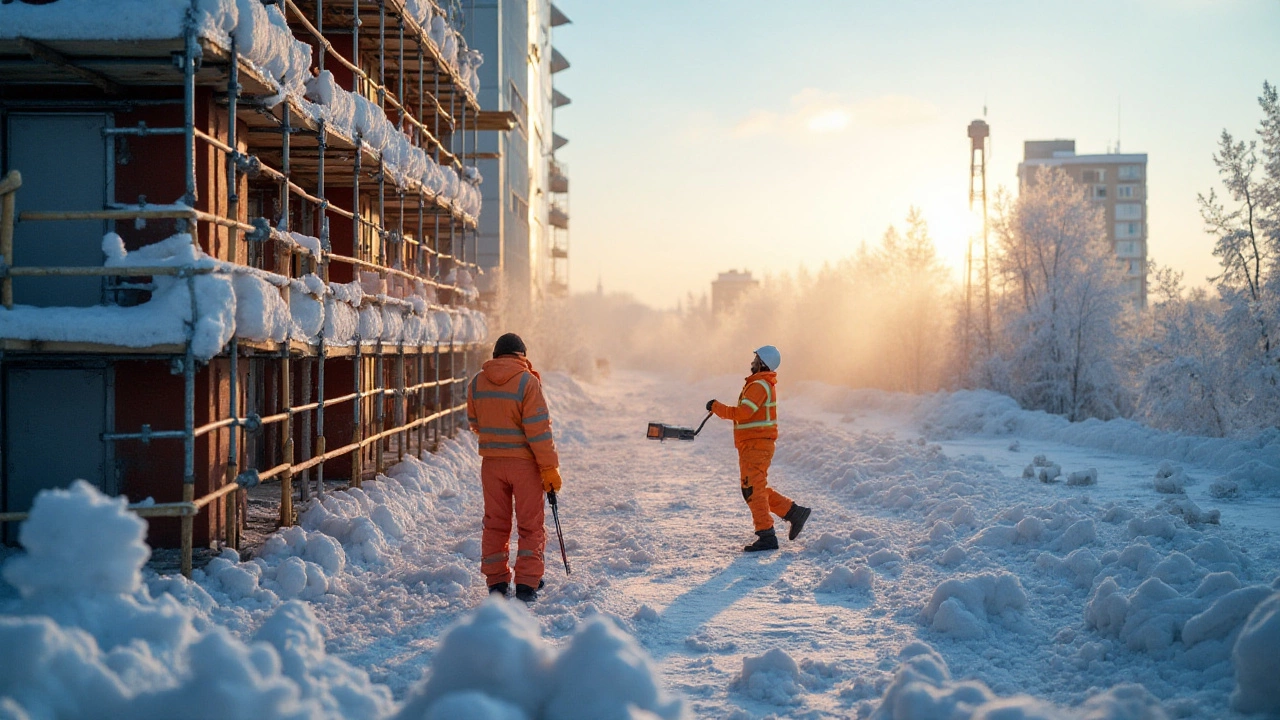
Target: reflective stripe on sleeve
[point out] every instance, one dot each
(754, 407)
(536, 418)
(540, 438)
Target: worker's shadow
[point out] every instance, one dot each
(745, 575)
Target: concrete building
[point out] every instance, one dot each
(523, 245)
(729, 288)
(1118, 183)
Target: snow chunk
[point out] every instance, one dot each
(603, 673)
(79, 541)
(773, 677)
(971, 601)
(842, 578)
(1225, 615)
(1170, 479)
(1256, 661)
(1083, 477)
(498, 652)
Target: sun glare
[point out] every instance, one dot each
(951, 225)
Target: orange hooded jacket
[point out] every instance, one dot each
(755, 417)
(505, 407)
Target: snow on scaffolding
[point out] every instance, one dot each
(243, 302)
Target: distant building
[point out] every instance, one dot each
(524, 242)
(1117, 182)
(728, 289)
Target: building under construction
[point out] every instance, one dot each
(239, 246)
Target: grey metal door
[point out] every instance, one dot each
(54, 420)
(62, 158)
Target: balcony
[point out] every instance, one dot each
(558, 178)
(558, 218)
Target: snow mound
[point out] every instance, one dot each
(1170, 479)
(62, 557)
(922, 689)
(843, 578)
(773, 677)
(1256, 661)
(961, 607)
(95, 643)
(497, 656)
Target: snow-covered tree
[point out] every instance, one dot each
(915, 279)
(1061, 303)
(1246, 224)
(1183, 377)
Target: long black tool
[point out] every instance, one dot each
(555, 514)
(658, 431)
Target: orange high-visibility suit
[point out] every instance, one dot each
(755, 430)
(505, 407)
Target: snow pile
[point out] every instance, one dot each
(842, 577)
(962, 607)
(1256, 661)
(495, 664)
(240, 301)
(356, 116)
(922, 689)
(773, 678)
(87, 639)
(1170, 479)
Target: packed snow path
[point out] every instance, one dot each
(922, 562)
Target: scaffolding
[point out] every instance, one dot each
(279, 168)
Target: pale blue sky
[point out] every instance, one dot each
(707, 135)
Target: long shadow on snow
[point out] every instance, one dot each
(690, 611)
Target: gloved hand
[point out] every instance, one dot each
(551, 481)
(709, 404)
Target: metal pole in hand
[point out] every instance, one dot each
(555, 515)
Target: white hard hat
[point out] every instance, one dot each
(770, 356)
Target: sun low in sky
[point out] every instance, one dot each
(712, 135)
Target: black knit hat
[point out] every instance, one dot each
(508, 344)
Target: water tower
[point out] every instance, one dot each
(979, 137)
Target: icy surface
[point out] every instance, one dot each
(933, 580)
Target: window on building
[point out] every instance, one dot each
(1130, 172)
(1128, 249)
(520, 208)
(1135, 267)
(1128, 230)
(1094, 176)
(1125, 192)
(1128, 211)
(1099, 192)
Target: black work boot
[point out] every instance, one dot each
(765, 540)
(796, 516)
(528, 595)
(499, 589)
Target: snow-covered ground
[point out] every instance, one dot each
(933, 580)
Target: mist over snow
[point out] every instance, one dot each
(933, 580)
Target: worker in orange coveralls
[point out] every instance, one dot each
(505, 407)
(755, 430)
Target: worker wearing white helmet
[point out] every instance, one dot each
(755, 432)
